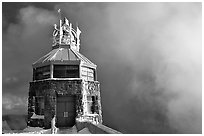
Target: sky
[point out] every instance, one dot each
(148, 58)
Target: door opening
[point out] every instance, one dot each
(66, 110)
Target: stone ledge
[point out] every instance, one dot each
(96, 129)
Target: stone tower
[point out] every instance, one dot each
(64, 86)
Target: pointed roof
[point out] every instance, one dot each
(64, 56)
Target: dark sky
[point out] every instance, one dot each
(148, 57)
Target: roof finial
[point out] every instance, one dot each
(65, 34)
(78, 32)
(59, 11)
(60, 26)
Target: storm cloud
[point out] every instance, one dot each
(148, 57)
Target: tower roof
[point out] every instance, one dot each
(65, 48)
(64, 56)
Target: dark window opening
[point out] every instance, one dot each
(66, 71)
(92, 104)
(41, 73)
(95, 78)
(39, 105)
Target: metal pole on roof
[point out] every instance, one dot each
(60, 26)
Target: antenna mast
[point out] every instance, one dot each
(60, 26)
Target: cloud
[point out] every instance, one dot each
(22, 45)
(164, 49)
(147, 54)
(148, 57)
(11, 103)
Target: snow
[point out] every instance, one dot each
(5, 126)
(38, 130)
(34, 116)
(35, 130)
(84, 131)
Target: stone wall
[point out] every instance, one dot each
(91, 88)
(36, 89)
(49, 89)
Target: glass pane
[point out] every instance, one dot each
(66, 71)
(42, 72)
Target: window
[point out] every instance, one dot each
(87, 73)
(89, 104)
(66, 71)
(92, 104)
(39, 105)
(41, 73)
